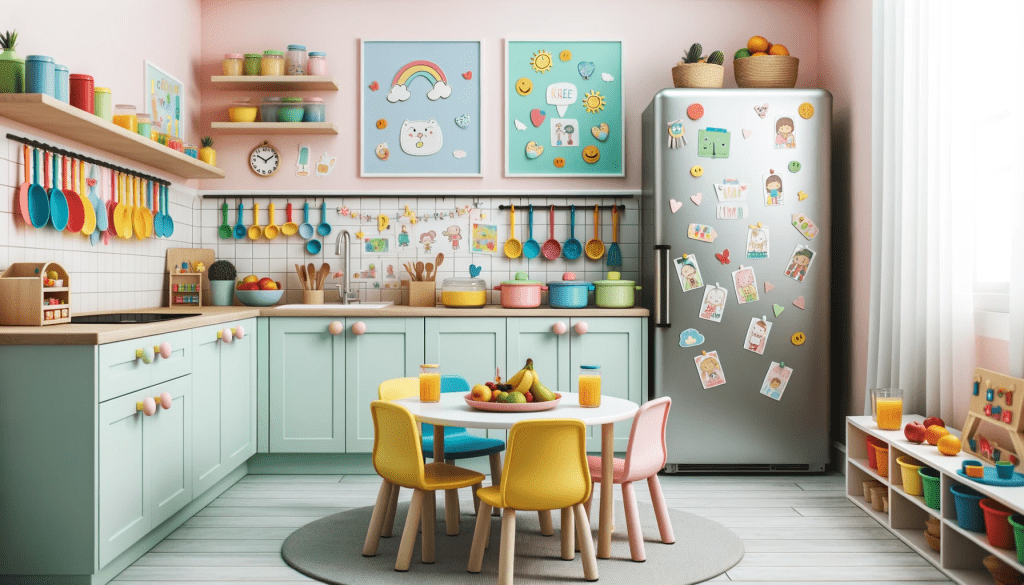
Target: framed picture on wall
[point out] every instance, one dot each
(164, 101)
(564, 109)
(419, 109)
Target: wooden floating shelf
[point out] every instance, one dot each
(275, 82)
(45, 113)
(264, 128)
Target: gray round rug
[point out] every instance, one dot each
(330, 550)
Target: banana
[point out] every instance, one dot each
(517, 378)
(541, 392)
(525, 383)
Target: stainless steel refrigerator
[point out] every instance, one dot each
(738, 179)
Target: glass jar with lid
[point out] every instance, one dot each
(124, 116)
(232, 64)
(460, 292)
(145, 126)
(191, 150)
(272, 63)
(315, 110)
(590, 386)
(251, 65)
(317, 63)
(295, 60)
(291, 110)
(430, 383)
(269, 108)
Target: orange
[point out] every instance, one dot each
(756, 44)
(934, 433)
(949, 445)
(758, 54)
(778, 50)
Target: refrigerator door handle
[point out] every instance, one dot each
(661, 288)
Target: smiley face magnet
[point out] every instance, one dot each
(382, 124)
(559, 162)
(524, 86)
(794, 166)
(697, 170)
(798, 338)
(591, 154)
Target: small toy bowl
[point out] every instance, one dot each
(290, 113)
(259, 298)
(933, 542)
(242, 113)
(505, 407)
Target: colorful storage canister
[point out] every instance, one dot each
(82, 92)
(39, 75)
(102, 106)
(232, 64)
(145, 125)
(269, 108)
(61, 83)
(252, 63)
(315, 110)
(124, 116)
(997, 523)
(317, 63)
(272, 63)
(295, 60)
(191, 150)
(291, 110)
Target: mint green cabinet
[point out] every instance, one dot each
(535, 338)
(121, 372)
(168, 451)
(388, 348)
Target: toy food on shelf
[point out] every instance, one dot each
(207, 154)
(915, 431)
(763, 64)
(934, 433)
(949, 445)
(696, 71)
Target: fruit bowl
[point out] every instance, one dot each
(507, 407)
(259, 298)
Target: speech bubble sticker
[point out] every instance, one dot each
(561, 95)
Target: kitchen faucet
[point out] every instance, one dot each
(345, 289)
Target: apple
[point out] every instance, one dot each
(932, 421)
(481, 393)
(262, 283)
(251, 278)
(248, 286)
(914, 432)
(268, 284)
(495, 395)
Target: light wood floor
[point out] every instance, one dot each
(795, 529)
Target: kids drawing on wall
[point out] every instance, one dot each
(713, 306)
(775, 380)
(485, 238)
(710, 369)
(773, 190)
(757, 241)
(757, 335)
(688, 272)
(784, 133)
(800, 263)
(427, 240)
(746, 285)
(403, 237)
(454, 235)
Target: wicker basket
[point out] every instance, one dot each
(706, 75)
(766, 71)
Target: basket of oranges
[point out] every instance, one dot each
(762, 64)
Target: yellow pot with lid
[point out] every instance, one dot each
(464, 292)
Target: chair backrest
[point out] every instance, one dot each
(397, 451)
(398, 388)
(546, 465)
(449, 383)
(646, 452)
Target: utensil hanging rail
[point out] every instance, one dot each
(587, 207)
(370, 194)
(88, 159)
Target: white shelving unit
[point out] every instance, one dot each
(961, 550)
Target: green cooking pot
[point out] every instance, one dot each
(614, 293)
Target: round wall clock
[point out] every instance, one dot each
(264, 160)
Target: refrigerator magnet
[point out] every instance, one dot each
(713, 143)
(731, 190)
(690, 338)
(746, 285)
(761, 110)
(732, 211)
(701, 232)
(674, 205)
(773, 189)
(688, 272)
(697, 198)
(710, 369)
(776, 380)
(676, 134)
(757, 334)
(784, 133)
(804, 225)
(800, 263)
(757, 241)
(800, 195)
(712, 307)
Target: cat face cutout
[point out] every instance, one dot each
(421, 137)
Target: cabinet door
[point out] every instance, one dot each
(534, 338)
(615, 344)
(168, 451)
(124, 517)
(307, 386)
(238, 398)
(390, 348)
(207, 453)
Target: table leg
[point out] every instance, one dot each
(451, 522)
(604, 545)
(438, 443)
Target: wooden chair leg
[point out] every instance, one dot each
(412, 522)
(590, 500)
(546, 527)
(380, 509)
(476, 498)
(587, 553)
(661, 510)
(451, 509)
(428, 526)
(568, 529)
(633, 529)
(389, 520)
(507, 556)
(480, 538)
(495, 460)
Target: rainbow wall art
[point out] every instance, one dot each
(431, 72)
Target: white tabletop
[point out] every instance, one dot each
(453, 411)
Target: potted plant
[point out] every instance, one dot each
(695, 71)
(222, 282)
(207, 154)
(12, 69)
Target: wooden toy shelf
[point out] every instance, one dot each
(262, 128)
(961, 551)
(275, 82)
(26, 296)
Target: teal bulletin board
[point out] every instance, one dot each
(564, 109)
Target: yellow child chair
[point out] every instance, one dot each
(549, 453)
(397, 457)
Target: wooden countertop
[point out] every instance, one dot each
(90, 334)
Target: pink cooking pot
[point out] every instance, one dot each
(521, 293)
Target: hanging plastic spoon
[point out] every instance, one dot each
(572, 248)
(224, 231)
(168, 220)
(239, 231)
(306, 229)
(595, 247)
(531, 249)
(58, 202)
(272, 230)
(513, 247)
(324, 229)
(551, 249)
(255, 230)
(290, 228)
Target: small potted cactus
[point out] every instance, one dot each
(695, 71)
(12, 69)
(207, 154)
(222, 276)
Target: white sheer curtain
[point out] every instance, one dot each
(921, 336)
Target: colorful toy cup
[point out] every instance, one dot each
(911, 480)
(931, 483)
(1004, 469)
(974, 471)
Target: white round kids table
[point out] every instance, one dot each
(453, 411)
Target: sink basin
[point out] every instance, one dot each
(338, 307)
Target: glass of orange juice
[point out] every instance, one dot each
(430, 383)
(887, 408)
(590, 386)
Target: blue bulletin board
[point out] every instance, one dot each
(420, 109)
(564, 110)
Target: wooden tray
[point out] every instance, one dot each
(504, 407)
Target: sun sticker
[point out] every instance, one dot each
(541, 61)
(593, 101)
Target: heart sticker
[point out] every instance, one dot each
(724, 256)
(474, 270)
(697, 198)
(600, 131)
(761, 110)
(799, 302)
(462, 121)
(537, 117)
(467, 75)
(800, 195)
(778, 309)
(768, 286)
(675, 205)
(747, 133)
(374, 86)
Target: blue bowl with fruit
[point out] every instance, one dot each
(259, 298)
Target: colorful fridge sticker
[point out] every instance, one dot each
(778, 309)
(697, 198)
(775, 380)
(688, 272)
(732, 211)
(805, 226)
(325, 165)
(731, 190)
(723, 256)
(690, 338)
(406, 237)
(800, 262)
(773, 189)
(784, 133)
(757, 335)
(713, 143)
(676, 134)
(746, 285)
(302, 164)
(484, 238)
(565, 132)
(710, 369)
(674, 205)
(757, 242)
(768, 287)
(761, 110)
(800, 195)
(701, 232)
(799, 302)
(712, 307)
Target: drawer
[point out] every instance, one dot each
(121, 372)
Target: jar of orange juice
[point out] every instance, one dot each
(430, 383)
(590, 386)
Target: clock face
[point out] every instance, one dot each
(265, 160)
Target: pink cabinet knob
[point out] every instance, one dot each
(559, 328)
(165, 400)
(581, 327)
(225, 335)
(165, 350)
(147, 406)
(239, 332)
(359, 328)
(336, 327)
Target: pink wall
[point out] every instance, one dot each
(655, 32)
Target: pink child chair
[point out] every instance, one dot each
(645, 457)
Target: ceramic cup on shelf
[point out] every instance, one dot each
(1004, 469)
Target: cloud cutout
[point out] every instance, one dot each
(520, 125)
(441, 90)
(690, 338)
(398, 93)
(459, 154)
(607, 77)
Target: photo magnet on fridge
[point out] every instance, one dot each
(757, 334)
(757, 241)
(713, 306)
(773, 189)
(775, 380)
(746, 285)
(688, 272)
(710, 369)
(784, 133)
(800, 263)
